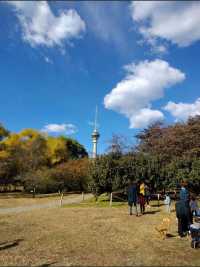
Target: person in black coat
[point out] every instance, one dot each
(132, 197)
(183, 216)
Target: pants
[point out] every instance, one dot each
(142, 204)
(182, 225)
(131, 209)
(147, 199)
(142, 208)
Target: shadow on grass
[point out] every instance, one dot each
(10, 244)
(156, 205)
(152, 212)
(47, 264)
(170, 235)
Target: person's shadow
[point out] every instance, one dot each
(151, 211)
(10, 244)
(170, 235)
(47, 264)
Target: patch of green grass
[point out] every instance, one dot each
(102, 202)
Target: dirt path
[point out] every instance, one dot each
(50, 204)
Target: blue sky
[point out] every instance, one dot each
(61, 59)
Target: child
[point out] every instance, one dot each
(167, 202)
(147, 195)
(193, 206)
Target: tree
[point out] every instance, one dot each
(61, 149)
(74, 174)
(57, 150)
(117, 145)
(43, 180)
(3, 132)
(29, 154)
(171, 141)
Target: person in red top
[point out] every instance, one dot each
(142, 197)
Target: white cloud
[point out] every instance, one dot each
(143, 84)
(60, 128)
(145, 117)
(48, 60)
(175, 21)
(104, 21)
(41, 27)
(182, 111)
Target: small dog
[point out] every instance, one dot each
(163, 228)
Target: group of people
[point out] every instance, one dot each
(138, 194)
(186, 208)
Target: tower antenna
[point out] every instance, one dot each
(95, 121)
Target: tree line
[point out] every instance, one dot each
(43, 162)
(163, 155)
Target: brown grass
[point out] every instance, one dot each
(9, 202)
(91, 236)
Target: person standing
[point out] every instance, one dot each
(147, 195)
(193, 207)
(185, 197)
(142, 197)
(167, 202)
(183, 211)
(182, 216)
(132, 197)
(142, 188)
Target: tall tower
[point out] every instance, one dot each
(95, 137)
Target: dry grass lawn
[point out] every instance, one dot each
(91, 236)
(10, 202)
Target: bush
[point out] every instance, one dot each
(74, 174)
(43, 180)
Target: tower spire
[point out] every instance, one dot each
(95, 121)
(95, 136)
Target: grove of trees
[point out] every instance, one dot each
(43, 162)
(162, 155)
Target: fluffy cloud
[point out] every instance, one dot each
(60, 128)
(145, 117)
(182, 111)
(143, 83)
(174, 21)
(41, 27)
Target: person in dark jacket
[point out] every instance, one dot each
(132, 197)
(185, 196)
(182, 216)
(183, 211)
